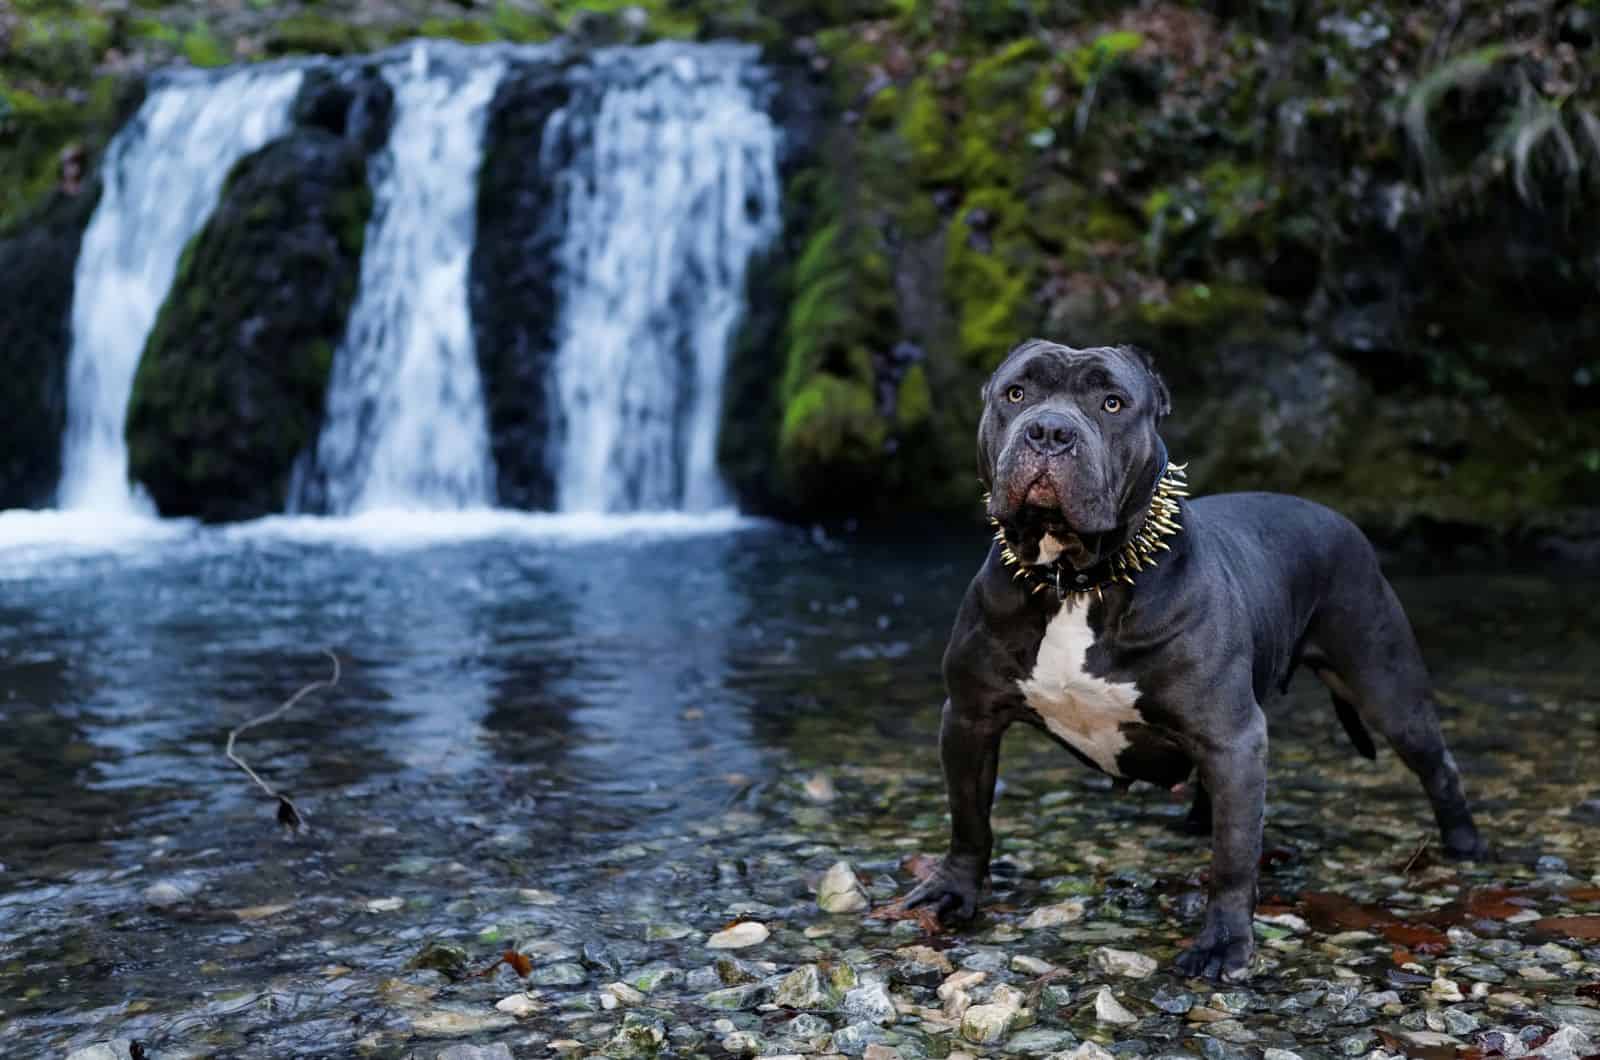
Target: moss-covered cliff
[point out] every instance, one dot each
(1363, 241)
(232, 383)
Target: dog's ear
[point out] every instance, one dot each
(1158, 386)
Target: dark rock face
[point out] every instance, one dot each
(232, 383)
(513, 280)
(37, 266)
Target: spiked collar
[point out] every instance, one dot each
(1141, 551)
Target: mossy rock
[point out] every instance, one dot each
(37, 267)
(830, 448)
(514, 281)
(231, 387)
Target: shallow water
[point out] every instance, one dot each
(592, 750)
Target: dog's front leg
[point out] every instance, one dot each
(969, 750)
(1234, 771)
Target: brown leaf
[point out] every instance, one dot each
(1401, 957)
(1584, 894)
(1572, 927)
(1332, 913)
(518, 963)
(926, 916)
(1418, 937)
(920, 866)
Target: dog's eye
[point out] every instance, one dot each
(1014, 394)
(1112, 404)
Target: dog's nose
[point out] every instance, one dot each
(1051, 434)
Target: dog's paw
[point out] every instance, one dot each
(1465, 844)
(1219, 959)
(951, 892)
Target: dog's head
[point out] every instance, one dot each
(1069, 450)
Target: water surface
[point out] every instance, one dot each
(588, 741)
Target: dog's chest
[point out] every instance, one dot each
(1086, 711)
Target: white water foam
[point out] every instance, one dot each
(401, 529)
(671, 188)
(405, 425)
(162, 175)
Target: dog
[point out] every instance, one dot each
(1144, 631)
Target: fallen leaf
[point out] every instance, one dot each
(518, 963)
(1584, 894)
(1573, 927)
(1419, 938)
(920, 866)
(1332, 913)
(925, 915)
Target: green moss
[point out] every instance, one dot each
(928, 134)
(1094, 59)
(1199, 308)
(202, 48)
(831, 442)
(466, 30)
(307, 32)
(989, 275)
(914, 400)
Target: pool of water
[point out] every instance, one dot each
(598, 743)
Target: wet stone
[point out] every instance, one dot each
(803, 988)
(1279, 1054)
(1173, 1002)
(742, 935)
(1567, 1043)
(1486, 973)
(806, 1028)
(656, 977)
(870, 1003)
(840, 891)
(1053, 916)
(1459, 1022)
(519, 1005)
(667, 932)
(1110, 1011)
(1356, 1044)
(1039, 1041)
(1027, 965)
(119, 1049)
(1086, 1051)
(445, 957)
(1125, 963)
(498, 1051)
(737, 998)
(564, 973)
(852, 1040)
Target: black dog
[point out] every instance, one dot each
(1143, 631)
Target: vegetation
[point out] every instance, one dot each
(1361, 242)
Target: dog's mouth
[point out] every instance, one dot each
(1040, 532)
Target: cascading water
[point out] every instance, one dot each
(405, 424)
(162, 175)
(671, 188)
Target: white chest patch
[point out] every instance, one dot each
(1086, 711)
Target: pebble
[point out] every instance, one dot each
(840, 891)
(165, 894)
(564, 973)
(1279, 1054)
(741, 935)
(1027, 965)
(1108, 1010)
(880, 1052)
(1086, 1051)
(385, 905)
(519, 1005)
(1053, 915)
(870, 1003)
(1445, 990)
(1567, 1043)
(1122, 962)
(497, 1051)
(803, 989)
(118, 1049)
(819, 788)
(989, 1023)
(458, 1023)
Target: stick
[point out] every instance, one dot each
(288, 814)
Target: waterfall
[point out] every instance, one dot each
(161, 178)
(670, 189)
(405, 425)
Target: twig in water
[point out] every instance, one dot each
(1420, 848)
(288, 814)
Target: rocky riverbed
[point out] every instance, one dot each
(544, 822)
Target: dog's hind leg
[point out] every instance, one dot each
(1374, 670)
